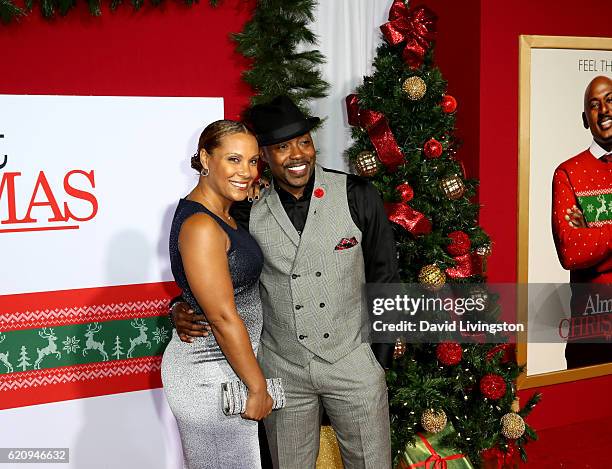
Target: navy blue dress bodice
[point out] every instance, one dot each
(245, 261)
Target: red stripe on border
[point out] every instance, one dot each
(59, 308)
(76, 389)
(70, 391)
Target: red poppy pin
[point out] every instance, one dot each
(319, 192)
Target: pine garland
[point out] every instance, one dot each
(50, 8)
(271, 40)
(8, 11)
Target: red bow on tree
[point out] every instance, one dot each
(467, 265)
(416, 27)
(496, 458)
(377, 126)
(402, 214)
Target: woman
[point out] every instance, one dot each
(217, 265)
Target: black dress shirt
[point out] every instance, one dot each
(367, 212)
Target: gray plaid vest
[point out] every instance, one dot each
(312, 291)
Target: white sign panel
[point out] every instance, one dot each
(88, 186)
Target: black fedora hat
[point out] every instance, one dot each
(278, 121)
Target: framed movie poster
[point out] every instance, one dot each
(565, 208)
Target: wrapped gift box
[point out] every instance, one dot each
(428, 454)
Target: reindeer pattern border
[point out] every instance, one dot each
(70, 345)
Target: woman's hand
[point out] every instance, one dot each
(256, 188)
(258, 406)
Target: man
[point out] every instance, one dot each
(582, 218)
(323, 235)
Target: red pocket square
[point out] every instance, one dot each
(346, 243)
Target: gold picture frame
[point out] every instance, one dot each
(527, 45)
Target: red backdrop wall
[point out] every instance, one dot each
(174, 50)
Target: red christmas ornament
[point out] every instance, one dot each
(406, 192)
(319, 192)
(449, 353)
(508, 356)
(493, 386)
(432, 148)
(448, 104)
(460, 243)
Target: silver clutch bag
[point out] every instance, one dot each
(235, 395)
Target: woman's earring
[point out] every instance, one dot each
(204, 172)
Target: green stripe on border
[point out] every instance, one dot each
(79, 344)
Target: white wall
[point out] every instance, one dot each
(349, 34)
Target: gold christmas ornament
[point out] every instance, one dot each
(516, 406)
(414, 87)
(432, 277)
(432, 421)
(400, 349)
(453, 187)
(513, 426)
(329, 451)
(366, 164)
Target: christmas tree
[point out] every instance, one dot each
(23, 359)
(118, 349)
(403, 123)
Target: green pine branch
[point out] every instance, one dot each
(271, 39)
(50, 8)
(9, 11)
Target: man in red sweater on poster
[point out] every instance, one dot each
(582, 223)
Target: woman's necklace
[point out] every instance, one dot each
(216, 212)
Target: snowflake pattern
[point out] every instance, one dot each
(590, 208)
(71, 344)
(160, 335)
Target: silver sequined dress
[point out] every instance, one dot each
(192, 373)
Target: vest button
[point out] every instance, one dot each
(298, 306)
(326, 335)
(318, 274)
(322, 305)
(301, 337)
